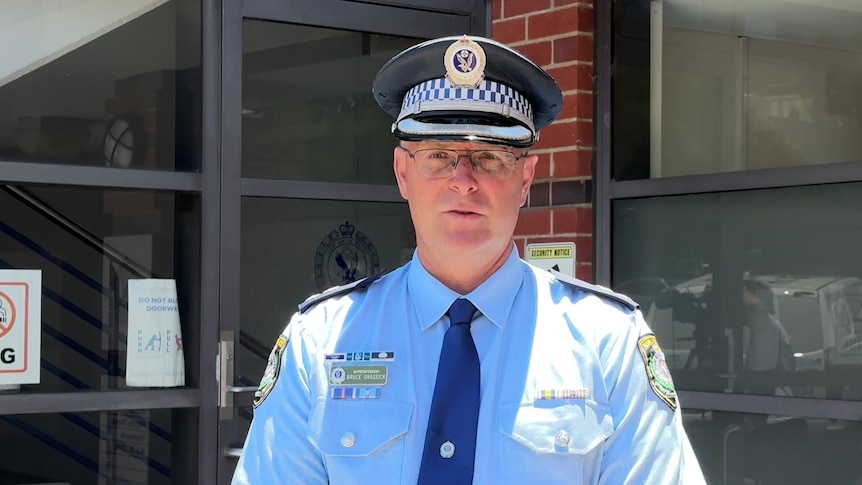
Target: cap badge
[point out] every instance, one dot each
(465, 63)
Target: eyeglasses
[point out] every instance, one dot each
(441, 163)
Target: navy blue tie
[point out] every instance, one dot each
(450, 442)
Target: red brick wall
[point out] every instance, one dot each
(558, 35)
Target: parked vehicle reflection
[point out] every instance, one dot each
(800, 335)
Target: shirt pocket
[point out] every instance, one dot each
(555, 440)
(360, 438)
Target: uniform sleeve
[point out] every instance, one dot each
(649, 444)
(277, 449)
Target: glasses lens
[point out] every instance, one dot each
(494, 162)
(436, 163)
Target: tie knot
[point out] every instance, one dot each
(461, 311)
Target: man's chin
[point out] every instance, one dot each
(463, 244)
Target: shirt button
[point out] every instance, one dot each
(561, 441)
(348, 439)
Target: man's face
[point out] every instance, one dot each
(468, 211)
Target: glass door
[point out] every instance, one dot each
(309, 197)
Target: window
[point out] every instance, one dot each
(753, 291)
(761, 448)
(308, 112)
(130, 446)
(294, 248)
(115, 86)
(89, 244)
(733, 86)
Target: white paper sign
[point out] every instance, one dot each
(20, 326)
(154, 356)
(557, 256)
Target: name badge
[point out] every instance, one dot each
(359, 375)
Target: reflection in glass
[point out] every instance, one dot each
(308, 112)
(737, 449)
(292, 249)
(84, 300)
(751, 292)
(134, 446)
(733, 86)
(94, 84)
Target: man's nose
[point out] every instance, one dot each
(464, 155)
(468, 164)
(464, 176)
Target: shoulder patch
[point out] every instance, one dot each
(339, 290)
(656, 368)
(595, 289)
(270, 374)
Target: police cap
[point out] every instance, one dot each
(467, 88)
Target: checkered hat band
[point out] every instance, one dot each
(489, 91)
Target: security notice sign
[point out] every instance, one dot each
(20, 326)
(558, 256)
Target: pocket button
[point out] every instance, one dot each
(348, 439)
(561, 441)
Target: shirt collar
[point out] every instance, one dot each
(494, 297)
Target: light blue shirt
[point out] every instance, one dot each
(565, 394)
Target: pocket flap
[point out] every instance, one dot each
(568, 426)
(356, 427)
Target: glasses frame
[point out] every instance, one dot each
(469, 155)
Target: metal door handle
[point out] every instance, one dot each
(239, 389)
(233, 452)
(227, 389)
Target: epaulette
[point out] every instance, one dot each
(339, 290)
(595, 289)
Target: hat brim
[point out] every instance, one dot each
(414, 130)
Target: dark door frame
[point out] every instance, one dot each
(221, 435)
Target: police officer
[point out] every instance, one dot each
(467, 365)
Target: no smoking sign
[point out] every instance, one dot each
(20, 326)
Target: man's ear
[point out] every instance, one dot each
(399, 166)
(529, 172)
